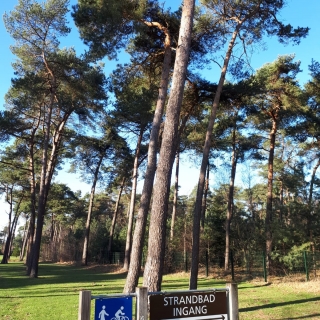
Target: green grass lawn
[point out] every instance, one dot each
(55, 294)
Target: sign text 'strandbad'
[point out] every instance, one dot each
(193, 305)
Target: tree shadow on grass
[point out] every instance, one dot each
(280, 304)
(255, 286)
(14, 276)
(201, 281)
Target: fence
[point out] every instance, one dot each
(248, 266)
(243, 266)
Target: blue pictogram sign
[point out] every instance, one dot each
(113, 309)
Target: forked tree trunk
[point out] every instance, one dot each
(47, 170)
(35, 255)
(141, 221)
(44, 186)
(132, 203)
(157, 229)
(175, 196)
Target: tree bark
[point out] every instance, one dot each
(141, 221)
(14, 225)
(42, 200)
(90, 208)
(230, 199)
(132, 204)
(6, 253)
(205, 196)
(157, 229)
(48, 164)
(268, 219)
(32, 220)
(114, 219)
(204, 163)
(175, 196)
(313, 176)
(309, 219)
(26, 232)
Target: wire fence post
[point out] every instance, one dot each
(306, 264)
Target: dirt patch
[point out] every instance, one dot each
(106, 268)
(99, 268)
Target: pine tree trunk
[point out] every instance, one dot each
(114, 219)
(157, 229)
(14, 225)
(175, 196)
(309, 218)
(32, 220)
(204, 163)
(48, 164)
(281, 191)
(54, 242)
(204, 200)
(268, 219)
(44, 187)
(90, 208)
(141, 221)
(35, 255)
(26, 232)
(132, 204)
(6, 251)
(312, 180)
(230, 201)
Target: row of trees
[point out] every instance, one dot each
(62, 108)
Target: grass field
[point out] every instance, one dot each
(54, 295)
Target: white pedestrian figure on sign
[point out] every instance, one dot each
(103, 313)
(119, 313)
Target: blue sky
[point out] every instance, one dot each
(297, 12)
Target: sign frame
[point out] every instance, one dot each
(189, 305)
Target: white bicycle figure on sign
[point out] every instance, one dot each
(119, 315)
